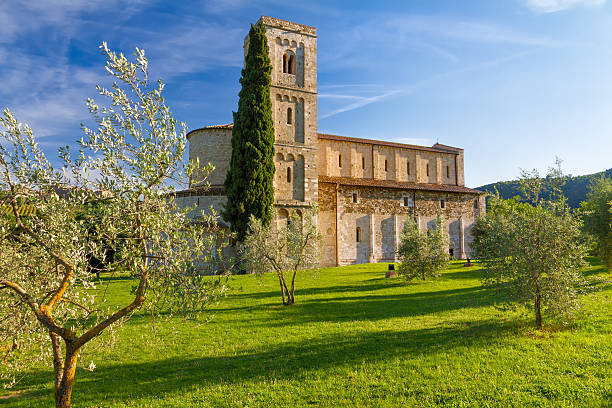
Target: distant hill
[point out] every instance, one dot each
(575, 188)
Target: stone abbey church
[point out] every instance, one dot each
(365, 189)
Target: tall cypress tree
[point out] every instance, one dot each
(249, 182)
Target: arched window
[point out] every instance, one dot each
(289, 116)
(339, 160)
(386, 165)
(363, 162)
(427, 169)
(358, 234)
(442, 204)
(289, 63)
(288, 174)
(355, 197)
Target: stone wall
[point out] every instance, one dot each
(213, 145)
(380, 214)
(388, 161)
(294, 105)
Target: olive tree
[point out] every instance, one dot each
(125, 170)
(423, 254)
(597, 216)
(284, 247)
(533, 252)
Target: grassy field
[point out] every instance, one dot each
(353, 338)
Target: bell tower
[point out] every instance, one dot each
(293, 91)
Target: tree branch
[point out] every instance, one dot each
(44, 318)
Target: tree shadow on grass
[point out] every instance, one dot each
(311, 291)
(288, 361)
(380, 307)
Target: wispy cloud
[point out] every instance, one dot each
(223, 6)
(361, 103)
(198, 48)
(552, 6)
(406, 26)
(46, 88)
(339, 96)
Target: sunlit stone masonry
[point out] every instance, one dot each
(366, 189)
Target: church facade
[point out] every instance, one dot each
(365, 189)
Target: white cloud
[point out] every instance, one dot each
(22, 16)
(401, 27)
(552, 6)
(339, 96)
(46, 89)
(224, 6)
(197, 48)
(360, 103)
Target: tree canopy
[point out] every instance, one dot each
(423, 254)
(125, 170)
(533, 252)
(597, 215)
(284, 247)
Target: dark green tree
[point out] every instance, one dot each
(249, 183)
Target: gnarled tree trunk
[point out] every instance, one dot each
(64, 369)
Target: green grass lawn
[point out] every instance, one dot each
(353, 338)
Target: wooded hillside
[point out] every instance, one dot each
(575, 188)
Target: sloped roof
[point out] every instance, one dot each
(368, 182)
(435, 148)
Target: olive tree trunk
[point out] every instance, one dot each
(64, 369)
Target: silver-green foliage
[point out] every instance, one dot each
(117, 192)
(423, 254)
(597, 216)
(532, 253)
(284, 247)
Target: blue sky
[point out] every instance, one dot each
(513, 82)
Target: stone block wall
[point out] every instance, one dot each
(380, 214)
(211, 146)
(294, 105)
(388, 161)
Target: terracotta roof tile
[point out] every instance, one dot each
(367, 182)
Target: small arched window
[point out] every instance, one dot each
(355, 200)
(427, 169)
(442, 204)
(363, 162)
(358, 234)
(289, 116)
(292, 64)
(386, 165)
(288, 174)
(339, 160)
(289, 63)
